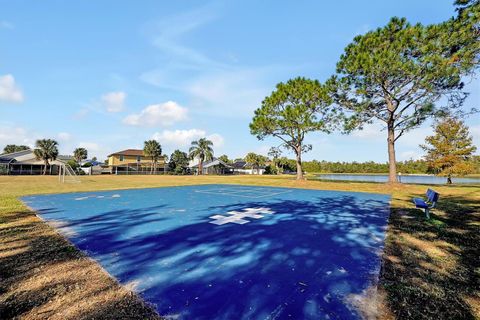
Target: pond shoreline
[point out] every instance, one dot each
(403, 178)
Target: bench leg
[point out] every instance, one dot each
(427, 213)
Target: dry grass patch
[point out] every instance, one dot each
(432, 274)
(42, 276)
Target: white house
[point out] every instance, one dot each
(241, 167)
(214, 166)
(25, 163)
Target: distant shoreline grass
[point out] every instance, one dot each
(475, 175)
(430, 268)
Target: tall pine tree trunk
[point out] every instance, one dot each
(298, 153)
(392, 163)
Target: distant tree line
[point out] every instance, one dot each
(404, 167)
(410, 166)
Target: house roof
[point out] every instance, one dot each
(25, 157)
(93, 162)
(16, 156)
(244, 165)
(239, 164)
(128, 152)
(213, 162)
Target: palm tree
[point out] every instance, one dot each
(165, 161)
(80, 154)
(46, 149)
(152, 149)
(201, 149)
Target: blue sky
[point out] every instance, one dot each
(108, 75)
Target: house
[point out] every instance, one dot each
(242, 167)
(133, 161)
(25, 163)
(94, 167)
(214, 166)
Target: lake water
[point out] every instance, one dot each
(418, 179)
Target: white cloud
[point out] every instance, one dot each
(82, 113)
(179, 138)
(16, 135)
(217, 140)
(212, 84)
(183, 138)
(163, 114)
(90, 146)
(212, 90)
(9, 91)
(64, 136)
(114, 101)
(239, 89)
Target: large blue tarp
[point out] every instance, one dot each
(230, 252)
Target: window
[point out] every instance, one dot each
(139, 158)
(121, 157)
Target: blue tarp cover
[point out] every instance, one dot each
(231, 252)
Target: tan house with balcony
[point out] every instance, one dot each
(133, 161)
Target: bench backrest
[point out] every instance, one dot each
(432, 196)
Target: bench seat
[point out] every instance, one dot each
(420, 203)
(429, 203)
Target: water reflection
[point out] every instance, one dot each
(416, 179)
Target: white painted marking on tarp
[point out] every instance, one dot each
(238, 217)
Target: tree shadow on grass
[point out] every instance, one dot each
(42, 276)
(431, 267)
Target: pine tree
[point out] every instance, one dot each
(449, 151)
(294, 109)
(397, 75)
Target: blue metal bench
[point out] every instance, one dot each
(432, 198)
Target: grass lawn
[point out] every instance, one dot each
(431, 269)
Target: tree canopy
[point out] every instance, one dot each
(275, 153)
(11, 148)
(80, 154)
(153, 150)
(201, 149)
(178, 162)
(46, 150)
(294, 109)
(450, 149)
(225, 159)
(256, 160)
(397, 74)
